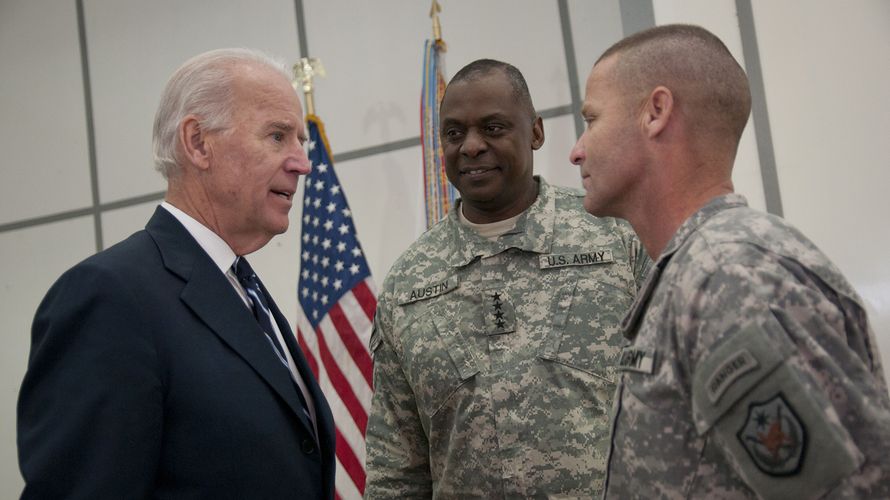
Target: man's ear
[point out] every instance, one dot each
(537, 133)
(657, 111)
(194, 142)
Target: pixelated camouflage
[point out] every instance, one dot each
(492, 358)
(753, 372)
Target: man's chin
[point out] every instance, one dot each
(279, 226)
(596, 207)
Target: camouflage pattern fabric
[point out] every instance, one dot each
(753, 371)
(491, 357)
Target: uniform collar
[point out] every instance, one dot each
(690, 226)
(533, 231)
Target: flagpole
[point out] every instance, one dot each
(305, 70)
(435, 8)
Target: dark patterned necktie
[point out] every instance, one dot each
(260, 306)
(263, 315)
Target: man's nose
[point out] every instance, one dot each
(576, 155)
(297, 161)
(473, 145)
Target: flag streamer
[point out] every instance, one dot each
(439, 194)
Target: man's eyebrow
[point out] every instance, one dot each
(486, 118)
(283, 126)
(495, 116)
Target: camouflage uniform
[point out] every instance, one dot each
(753, 371)
(490, 356)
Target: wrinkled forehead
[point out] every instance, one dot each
(265, 88)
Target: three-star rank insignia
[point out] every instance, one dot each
(774, 437)
(498, 312)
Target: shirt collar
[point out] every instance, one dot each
(218, 250)
(533, 231)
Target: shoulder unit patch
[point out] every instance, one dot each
(774, 437)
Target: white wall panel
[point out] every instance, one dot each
(373, 54)
(596, 25)
(372, 92)
(525, 34)
(135, 46)
(118, 225)
(31, 259)
(552, 160)
(43, 134)
(826, 69)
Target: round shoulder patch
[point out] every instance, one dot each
(774, 437)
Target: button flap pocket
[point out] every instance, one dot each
(457, 347)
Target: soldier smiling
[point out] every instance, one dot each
(496, 330)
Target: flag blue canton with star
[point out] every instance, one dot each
(331, 258)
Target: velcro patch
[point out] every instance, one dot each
(498, 312)
(549, 261)
(429, 291)
(774, 437)
(736, 365)
(634, 359)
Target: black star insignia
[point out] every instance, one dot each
(761, 419)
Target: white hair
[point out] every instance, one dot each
(202, 86)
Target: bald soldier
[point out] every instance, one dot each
(751, 369)
(496, 329)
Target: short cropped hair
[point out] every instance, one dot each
(484, 67)
(698, 69)
(203, 86)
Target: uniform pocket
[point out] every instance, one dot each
(437, 361)
(586, 333)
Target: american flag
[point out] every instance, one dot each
(337, 301)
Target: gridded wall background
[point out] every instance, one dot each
(80, 81)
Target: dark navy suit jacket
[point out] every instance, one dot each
(149, 378)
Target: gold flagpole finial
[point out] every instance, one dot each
(434, 14)
(304, 71)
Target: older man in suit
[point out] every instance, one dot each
(161, 367)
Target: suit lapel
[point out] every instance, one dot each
(209, 294)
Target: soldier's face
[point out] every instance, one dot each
(609, 150)
(488, 139)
